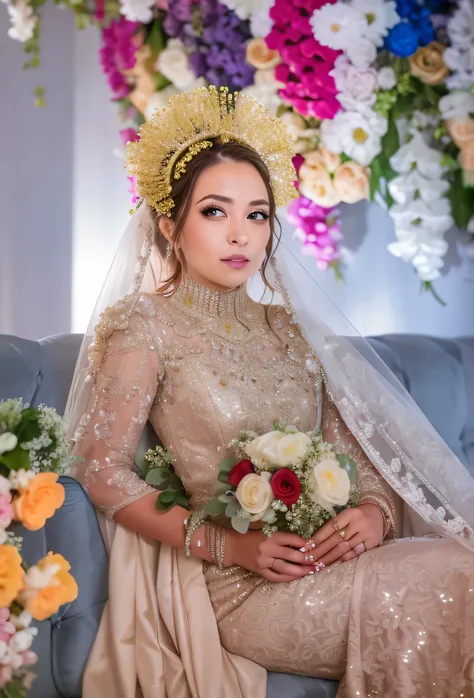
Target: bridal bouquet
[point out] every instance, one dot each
(287, 479)
(33, 451)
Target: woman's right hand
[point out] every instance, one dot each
(282, 558)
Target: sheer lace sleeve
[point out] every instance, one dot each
(108, 434)
(373, 489)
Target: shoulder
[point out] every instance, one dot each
(282, 321)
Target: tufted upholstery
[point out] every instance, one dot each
(439, 373)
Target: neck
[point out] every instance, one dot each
(208, 301)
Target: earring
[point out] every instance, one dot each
(169, 250)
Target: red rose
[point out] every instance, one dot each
(286, 486)
(239, 471)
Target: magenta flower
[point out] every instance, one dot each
(318, 229)
(307, 64)
(129, 135)
(118, 53)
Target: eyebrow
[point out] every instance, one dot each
(226, 200)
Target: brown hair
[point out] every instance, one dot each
(181, 193)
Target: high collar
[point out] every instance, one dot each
(208, 302)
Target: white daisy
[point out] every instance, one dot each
(380, 16)
(358, 135)
(337, 25)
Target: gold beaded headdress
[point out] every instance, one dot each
(178, 132)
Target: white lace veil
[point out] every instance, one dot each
(437, 490)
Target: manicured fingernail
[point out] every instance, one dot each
(311, 572)
(319, 566)
(313, 545)
(302, 550)
(309, 558)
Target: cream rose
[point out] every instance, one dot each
(173, 63)
(332, 484)
(260, 56)
(254, 494)
(262, 449)
(316, 182)
(351, 181)
(8, 442)
(428, 65)
(291, 448)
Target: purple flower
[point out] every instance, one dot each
(318, 229)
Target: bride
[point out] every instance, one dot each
(183, 342)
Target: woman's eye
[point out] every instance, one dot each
(258, 216)
(213, 212)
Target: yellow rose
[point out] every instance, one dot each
(11, 574)
(260, 56)
(315, 182)
(428, 65)
(48, 585)
(461, 131)
(39, 501)
(332, 484)
(351, 181)
(254, 494)
(291, 448)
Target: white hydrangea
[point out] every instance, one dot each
(459, 56)
(20, 479)
(23, 20)
(137, 10)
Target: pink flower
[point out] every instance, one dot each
(6, 675)
(129, 135)
(133, 189)
(6, 510)
(29, 658)
(118, 53)
(318, 229)
(307, 64)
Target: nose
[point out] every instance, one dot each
(239, 239)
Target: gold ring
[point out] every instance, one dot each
(335, 526)
(341, 532)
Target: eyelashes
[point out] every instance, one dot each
(211, 211)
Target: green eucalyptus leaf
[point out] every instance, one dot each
(16, 459)
(223, 478)
(214, 508)
(240, 525)
(226, 465)
(163, 507)
(226, 498)
(167, 497)
(232, 508)
(350, 466)
(157, 476)
(182, 500)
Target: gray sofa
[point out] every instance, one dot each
(439, 373)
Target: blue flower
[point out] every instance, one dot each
(424, 28)
(406, 8)
(402, 40)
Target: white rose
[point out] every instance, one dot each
(173, 63)
(291, 448)
(361, 52)
(254, 494)
(356, 86)
(456, 105)
(262, 449)
(5, 485)
(386, 78)
(332, 484)
(8, 442)
(21, 641)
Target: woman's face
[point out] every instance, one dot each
(228, 227)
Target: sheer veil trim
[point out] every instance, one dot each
(436, 489)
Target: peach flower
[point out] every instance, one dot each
(260, 56)
(317, 185)
(466, 157)
(329, 160)
(461, 131)
(39, 501)
(428, 65)
(351, 181)
(48, 585)
(11, 574)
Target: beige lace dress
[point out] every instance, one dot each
(202, 365)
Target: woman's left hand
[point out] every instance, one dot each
(349, 534)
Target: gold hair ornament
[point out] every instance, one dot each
(178, 132)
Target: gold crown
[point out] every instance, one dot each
(176, 133)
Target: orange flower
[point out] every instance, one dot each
(260, 56)
(11, 574)
(461, 131)
(39, 501)
(48, 585)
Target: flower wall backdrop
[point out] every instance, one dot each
(377, 94)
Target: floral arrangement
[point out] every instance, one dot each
(288, 480)
(33, 451)
(378, 96)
